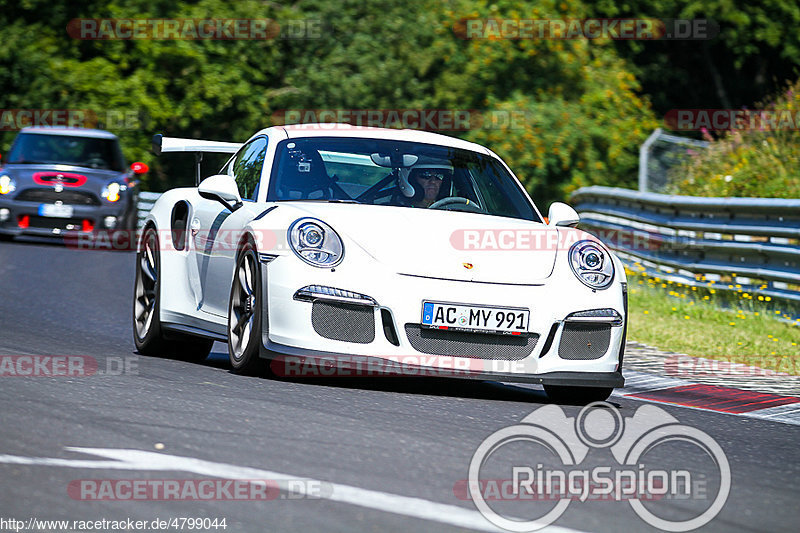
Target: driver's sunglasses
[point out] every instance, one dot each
(431, 175)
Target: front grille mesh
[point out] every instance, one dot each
(50, 196)
(343, 322)
(584, 341)
(474, 345)
(67, 224)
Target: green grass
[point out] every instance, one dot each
(679, 318)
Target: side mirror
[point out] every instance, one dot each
(221, 188)
(560, 214)
(139, 168)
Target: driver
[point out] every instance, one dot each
(428, 181)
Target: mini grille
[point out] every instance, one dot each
(49, 196)
(67, 224)
(475, 345)
(343, 322)
(584, 341)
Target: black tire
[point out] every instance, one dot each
(148, 335)
(131, 219)
(124, 235)
(244, 314)
(577, 395)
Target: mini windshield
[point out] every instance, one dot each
(90, 152)
(396, 173)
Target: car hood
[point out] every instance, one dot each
(445, 244)
(96, 179)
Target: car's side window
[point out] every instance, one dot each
(247, 167)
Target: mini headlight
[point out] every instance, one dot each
(112, 190)
(591, 264)
(7, 184)
(316, 243)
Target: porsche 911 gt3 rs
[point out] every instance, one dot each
(332, 241)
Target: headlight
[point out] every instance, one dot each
(7, 184)
(591, 264)
(316, 243)
(112, 190)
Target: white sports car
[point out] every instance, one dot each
(398, 248)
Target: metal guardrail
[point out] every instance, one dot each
(145, 204)
(757, 240)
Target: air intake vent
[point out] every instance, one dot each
(581, 341)
(475, 345)
(388, 327)
(344, 322)
(50, 196)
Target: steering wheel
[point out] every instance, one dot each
(457, 203)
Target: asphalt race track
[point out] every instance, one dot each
(388, 451)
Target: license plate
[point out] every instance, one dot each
(475, 318)
(55, 210)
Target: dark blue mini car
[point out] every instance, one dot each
(66, 181)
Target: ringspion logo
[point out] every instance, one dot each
(542, 457)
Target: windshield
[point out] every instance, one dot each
(396, 173)
(91, 152)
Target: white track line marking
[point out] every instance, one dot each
(371, 499)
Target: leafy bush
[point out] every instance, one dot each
(748, 162)
(584, 117)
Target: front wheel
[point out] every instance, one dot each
(244, 314)
(577, 395)
(148, 335)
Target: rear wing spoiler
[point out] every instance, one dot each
(163, 144)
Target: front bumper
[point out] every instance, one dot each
(82, 217)
(289, 328)
(288, 361)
